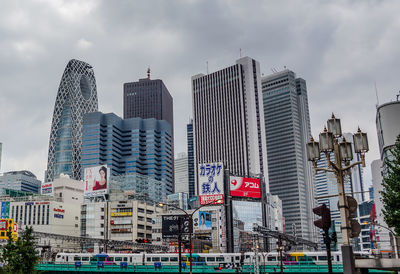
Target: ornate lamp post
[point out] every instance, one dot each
(331, 141)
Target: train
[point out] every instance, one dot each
(217, 259)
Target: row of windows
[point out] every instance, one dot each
(29, 214)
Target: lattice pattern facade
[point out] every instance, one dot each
(76, 96)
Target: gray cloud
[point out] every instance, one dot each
(341, 48)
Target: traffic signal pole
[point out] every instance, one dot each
(327, 241)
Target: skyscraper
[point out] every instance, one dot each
(148, 99)
(76, 95)
(181, 173)
(190, 154)
(287, 127)
(129, 146)
(228, 120)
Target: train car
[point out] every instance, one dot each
(216, 259)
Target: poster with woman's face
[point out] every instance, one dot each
(96, 180)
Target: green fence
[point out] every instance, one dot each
(303, 268)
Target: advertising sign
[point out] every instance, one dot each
(47, 188)
(211, 183)
(245, 214)
(204, 222)
(121, 214)
(170, 227)
(96, 180)
(5, 210)
(5, 225)
(245, 187)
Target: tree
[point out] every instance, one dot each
(20, 256)
(391, 188)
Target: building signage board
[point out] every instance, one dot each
(96, 180)
(47, 188)
(170, 227)
(211, 183)
(5, 210)
(121, 214)
(204, 221)
(245, 187)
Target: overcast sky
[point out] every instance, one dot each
(341, 48)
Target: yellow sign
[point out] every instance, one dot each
(8, 224)
(121, 214)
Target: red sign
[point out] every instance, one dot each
(245, 187)
(173, 248)
(3, 224)
(59, 210)
(211, 199)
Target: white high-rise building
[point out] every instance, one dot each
(228, 119)
(182, 173)
(388, 128)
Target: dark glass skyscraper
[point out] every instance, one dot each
(148, 99)
(129, 146)
(76, 95)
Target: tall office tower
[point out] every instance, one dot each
(76, 95)
(129, 146)
(19, 180)
(148, 99)
(190, 154)
(388, 128)
(228, 119)
(181, 173)
(287, 127)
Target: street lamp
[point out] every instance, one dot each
(190, 217)
(332, 141)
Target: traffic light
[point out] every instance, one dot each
(325, 222)
(334, 237)
(354, 224)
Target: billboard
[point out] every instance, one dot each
(204, 222)
(96, 180)
(211, 183)
(245, 187)
(244, 215)
(47, 188)
(170, 227)
(5, 225)
(5, 210)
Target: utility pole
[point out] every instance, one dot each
(280, 250)
(179, 244)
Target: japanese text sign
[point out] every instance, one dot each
(211, 183)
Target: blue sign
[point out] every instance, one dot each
(59, 216)
(3, 210)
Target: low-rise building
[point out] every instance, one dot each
(23, 180)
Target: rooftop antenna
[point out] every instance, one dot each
(240, 51)
(376, 93)
(148, 73)
(207, 66)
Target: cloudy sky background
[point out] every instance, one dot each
(341, 48)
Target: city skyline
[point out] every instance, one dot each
(338, 63)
